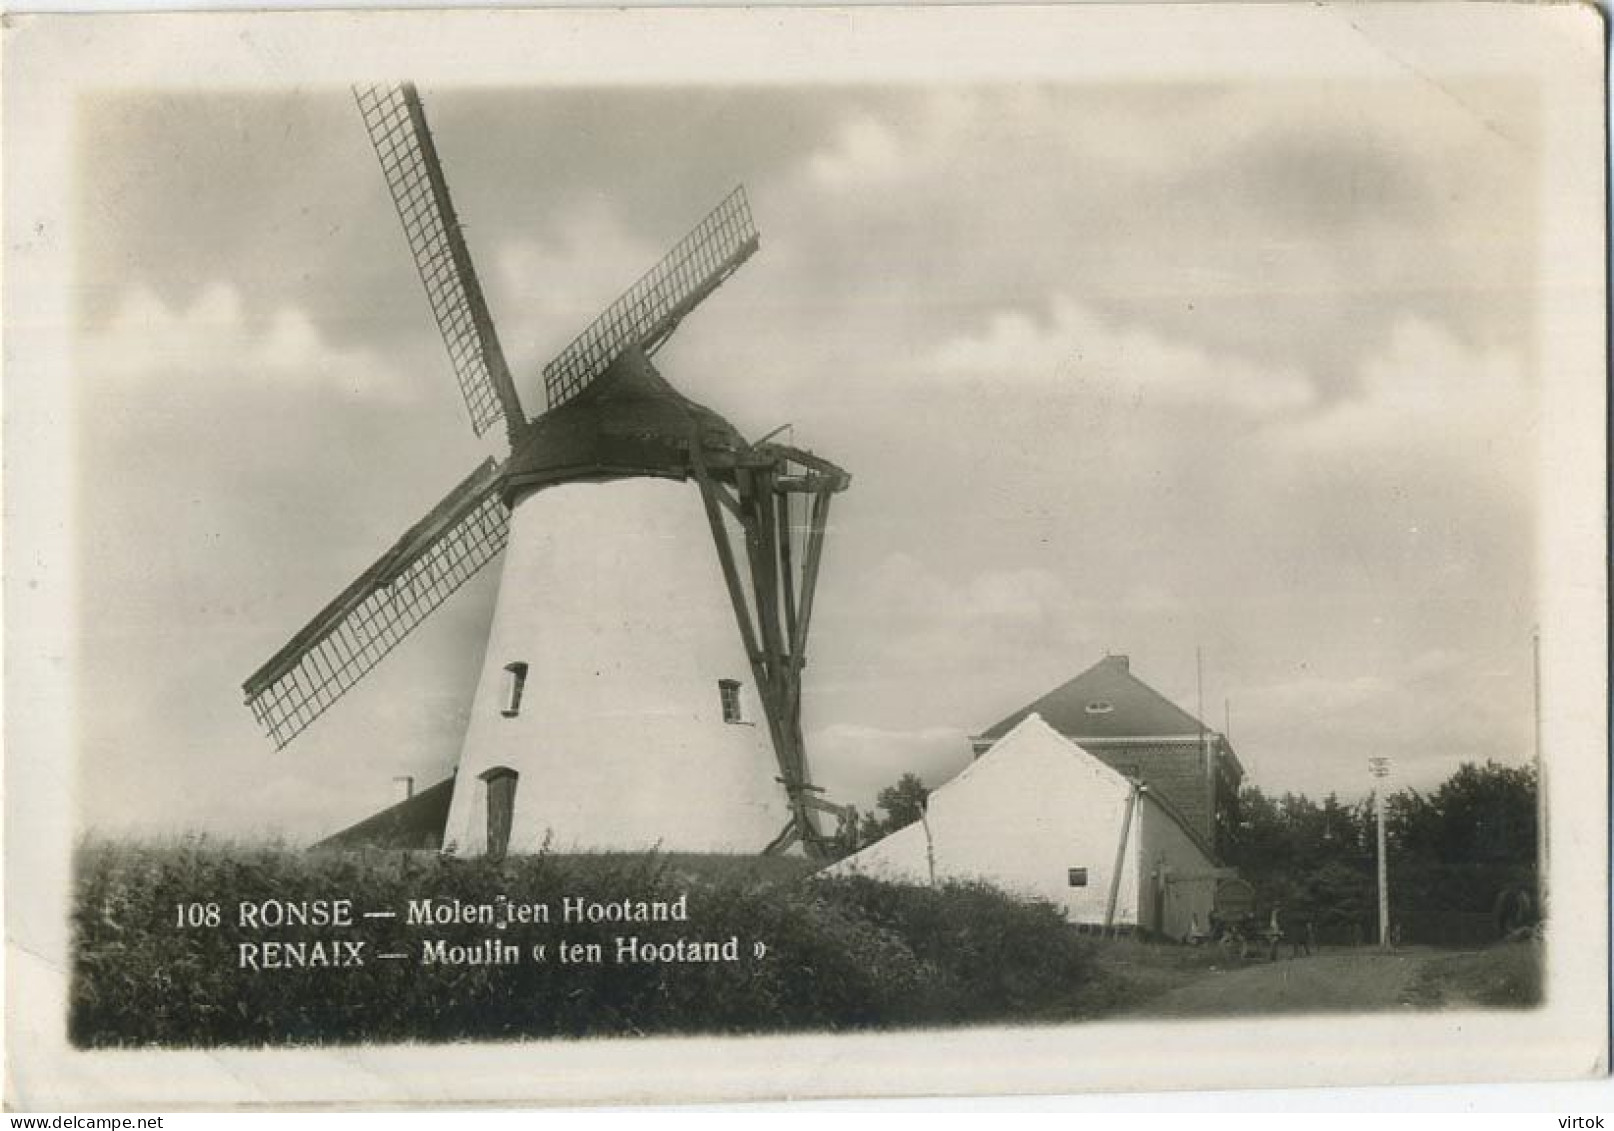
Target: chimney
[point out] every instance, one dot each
(1121, 661)
(403, 788)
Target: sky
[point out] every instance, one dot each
(1154, 368)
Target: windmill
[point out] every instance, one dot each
(613, 709)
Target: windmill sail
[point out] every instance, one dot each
(353, 633)
(652, 308)
(397, 127)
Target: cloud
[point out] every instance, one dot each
(1109, 370)
(1151, 600)
(1076, 348)
(145, 342)
(228, 486)
(907, 647)
(930, 614)
(1423, 389)
(853, 763)
(546, 290)
(1314, 731)
(864, 154)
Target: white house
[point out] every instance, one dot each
(1038, 816)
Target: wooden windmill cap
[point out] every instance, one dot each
(628, 422)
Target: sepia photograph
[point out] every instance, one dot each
(975, 542)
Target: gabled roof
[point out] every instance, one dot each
(1033, 727)
(1025, 737)
(415, 823)
(1105, 701)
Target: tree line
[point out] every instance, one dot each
(1461, 858)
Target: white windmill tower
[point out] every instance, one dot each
(617, 708)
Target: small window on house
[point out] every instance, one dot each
(515, 682)
(1100, 707)
(1078, 877)
(728, 691)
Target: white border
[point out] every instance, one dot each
(50, 61)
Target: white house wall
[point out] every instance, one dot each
(1020, 817)
(901, 857)
(1168, 857)
(612, 595)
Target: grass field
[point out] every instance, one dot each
(181, 944)
(185, 943)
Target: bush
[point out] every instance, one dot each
(849, 953)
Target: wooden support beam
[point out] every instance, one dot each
(765, 655)
(752, 534)
(786, 670)
(808, 460)
(780, 844)
(787, 574)
(726, 497)
(760, 668)
(725, 556)
(1120, 856)
(806, 484)
(817, 524)
(769, 582)
(809, 575)
(824, 806)
(756, 499)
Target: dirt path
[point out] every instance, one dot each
(1340, 981)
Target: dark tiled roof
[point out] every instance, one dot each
(416, 823)
(1105, 701)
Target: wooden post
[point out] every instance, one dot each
(930, 843)
(767, 654)
(1120, 857)
(809, 575)
(1380, 769)
(758, 551)
(742, 614)
(782, 655)
(725, 553)
(781, 843)
(1543, 845)
(787, 575)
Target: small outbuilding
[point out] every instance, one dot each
(1037, 815)
(413, 824)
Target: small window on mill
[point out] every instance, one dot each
(1100, 707)
(728, 691)
(515, 683)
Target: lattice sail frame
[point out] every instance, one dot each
(652, 308)
(347, 639)
(372, 616)
(397, 127)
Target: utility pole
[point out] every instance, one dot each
(1543, 862)
(1207, 759)
(1380, 769)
